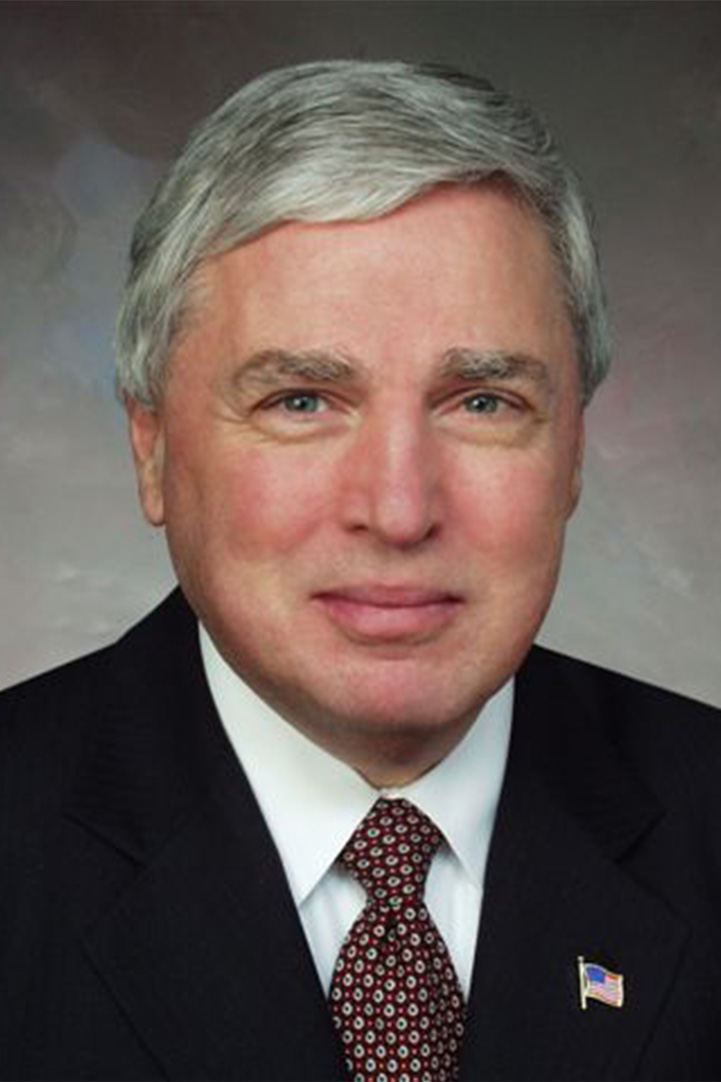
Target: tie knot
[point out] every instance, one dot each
(391, 851)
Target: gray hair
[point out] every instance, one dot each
(345, 141)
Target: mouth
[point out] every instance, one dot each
(389, 613)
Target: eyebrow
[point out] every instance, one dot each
(472, 364)
(270, 366)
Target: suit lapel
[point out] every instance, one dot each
(200, 945)
(206, 955)
(557, 887)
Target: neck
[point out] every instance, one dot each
(384, 757)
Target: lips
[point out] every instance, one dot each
(385, 613)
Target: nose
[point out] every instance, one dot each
(390, 484)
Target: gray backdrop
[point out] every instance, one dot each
(94, 98)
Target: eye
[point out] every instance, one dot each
(298, 402)
(483, 402)
(299, 413)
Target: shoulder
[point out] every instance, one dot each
(599, 684)
(46, 721)
(63, 696)
(669, 741)
(41, 722)
(42, 695)
(623, 698)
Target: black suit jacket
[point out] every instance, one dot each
(147, 931)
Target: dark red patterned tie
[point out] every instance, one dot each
(395, 997)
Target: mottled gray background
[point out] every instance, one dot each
(94, 98)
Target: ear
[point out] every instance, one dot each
(147, 439)
(577, 474)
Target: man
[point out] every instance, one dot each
(326, 812)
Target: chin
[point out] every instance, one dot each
(397, 703)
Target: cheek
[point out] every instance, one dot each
(515, 512)
(270, 502)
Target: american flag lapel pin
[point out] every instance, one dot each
(597, 982)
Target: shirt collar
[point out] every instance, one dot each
(312, 802)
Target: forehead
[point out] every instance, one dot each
(457, 268)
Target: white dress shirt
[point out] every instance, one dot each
(312, 803)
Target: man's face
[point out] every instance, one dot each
(367, 450)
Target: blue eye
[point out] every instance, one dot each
(483, 403)
(300, 402)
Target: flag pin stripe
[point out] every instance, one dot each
(597, 982)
